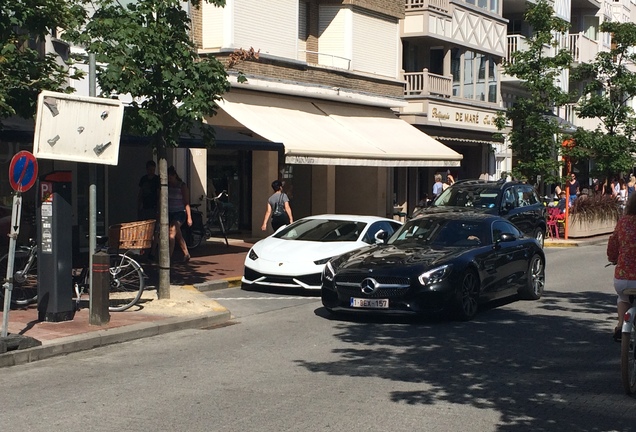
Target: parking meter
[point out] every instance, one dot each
(55, 253)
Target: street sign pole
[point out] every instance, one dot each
(16, 212)
(23, 171)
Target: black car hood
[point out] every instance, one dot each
(390, 256)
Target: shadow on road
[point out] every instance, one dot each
(541, 372)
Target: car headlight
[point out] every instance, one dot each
(435, 275)
(252, 255)
(328, 272)
(322, 261)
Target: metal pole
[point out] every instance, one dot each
(92, 190)
(8, 285)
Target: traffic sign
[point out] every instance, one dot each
(23, 171)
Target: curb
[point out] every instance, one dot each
(560, 245)
(219, 284)
(101, 338)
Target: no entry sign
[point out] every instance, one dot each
(23, 171)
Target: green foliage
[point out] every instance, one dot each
(535, 134)
(145, 49)
(609, 85)
(24, 72)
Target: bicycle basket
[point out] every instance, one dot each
(131, 235)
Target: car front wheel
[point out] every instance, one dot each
(467, 301)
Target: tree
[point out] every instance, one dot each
(145, 50)
(610, 84)
(535, 133)
(24, 71)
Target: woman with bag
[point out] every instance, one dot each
(278, 207)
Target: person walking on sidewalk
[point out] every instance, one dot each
(178, 211)
(148, 196)
(278, 207)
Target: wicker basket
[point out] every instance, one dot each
(131, 235)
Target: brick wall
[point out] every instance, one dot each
(280, 70)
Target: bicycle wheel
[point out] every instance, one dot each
(192, 236)
(25, 278)
(230, 218)
(628, 361)
(126, 282)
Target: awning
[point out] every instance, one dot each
(320, 132)
(16, 129)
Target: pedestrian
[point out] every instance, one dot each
(438, 187)
(621, 250)
(178, 211)
(573, 187)
(631, 185)
(449, 182)
(148, 196)
(278, 207)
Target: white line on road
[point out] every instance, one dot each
(264, 298)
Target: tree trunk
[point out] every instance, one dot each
(163, 290)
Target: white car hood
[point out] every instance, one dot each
(302, 251)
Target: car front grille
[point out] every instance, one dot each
(348, 291)
(310, 280)
(350, 286)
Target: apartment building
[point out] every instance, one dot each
(324, 89)
(452, 52)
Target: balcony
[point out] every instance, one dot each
(515, 43)
(582, 48)
(427, 84)
(435, 5)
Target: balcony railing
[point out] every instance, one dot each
(515, 43)
(582, 48)
(438, 5)
(427, 84)
(328, 59)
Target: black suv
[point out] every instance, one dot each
(516, 201)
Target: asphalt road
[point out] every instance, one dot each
(284, 365)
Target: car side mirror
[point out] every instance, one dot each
(380, 237)
(506, 237)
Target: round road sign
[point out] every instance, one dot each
(23, 171)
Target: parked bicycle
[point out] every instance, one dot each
(127, 278)
(25, 275)
(222, 217)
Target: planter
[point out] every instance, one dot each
(579, 227)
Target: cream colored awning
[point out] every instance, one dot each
(319, 132)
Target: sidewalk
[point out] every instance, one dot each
(213, 266)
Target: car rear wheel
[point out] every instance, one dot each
(535, 281)
(468, 296)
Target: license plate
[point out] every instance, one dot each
(369, 303)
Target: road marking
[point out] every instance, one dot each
(265, 298)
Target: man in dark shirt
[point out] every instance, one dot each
(148, 193)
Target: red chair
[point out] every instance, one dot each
(555, 219)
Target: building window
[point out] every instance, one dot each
(474, 75)
(469, 75)
(489, 5)
(456, 59)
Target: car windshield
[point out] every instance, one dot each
(322, 230)
(440, 232)
(477, 195)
